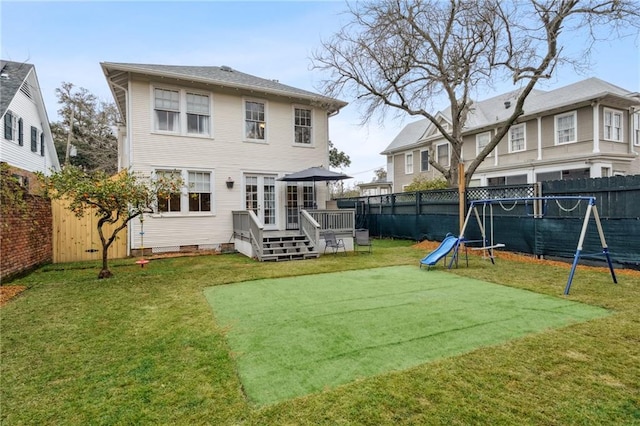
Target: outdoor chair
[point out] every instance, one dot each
(330, 240)
(362, 239)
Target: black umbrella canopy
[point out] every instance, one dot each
(314, 174)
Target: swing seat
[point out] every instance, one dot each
(499, 245)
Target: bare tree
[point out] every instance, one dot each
(406, 54)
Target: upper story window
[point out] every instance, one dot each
(255, 124)
(42, 144)
(20, 132)
(517, 140)
(442, 152)
(167, 110)
(34, 139)
(169, 202)
(302, 126)
(197, 114)
(565, 128)
(482, 140)
(10, 126)
(612, 125)
(408, 163)
(199, 191)
(636, 128)
(424, 161)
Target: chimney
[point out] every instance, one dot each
(507, 104)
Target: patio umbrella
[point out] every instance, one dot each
(314, 174)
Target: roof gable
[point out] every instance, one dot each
(12, 76)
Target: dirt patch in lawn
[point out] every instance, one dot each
(527, 258)
(8, 292)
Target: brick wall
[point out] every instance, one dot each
(26, 235)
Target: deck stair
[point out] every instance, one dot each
(287, 247)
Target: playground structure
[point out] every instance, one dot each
(538, 208)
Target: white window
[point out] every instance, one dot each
(424, 161)
(565, 128)
(612, 125)
(517, 141)
(199, 191)
(167, 110)
(302, 126)
(442, 152)
(197, 114)
(482, 140)
(170, 202)
(255, 124)
(408, 163)
(636, 129)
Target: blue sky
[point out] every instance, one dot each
(66, 41)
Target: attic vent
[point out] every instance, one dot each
(226, 68)
(26, 90)
(507, 104)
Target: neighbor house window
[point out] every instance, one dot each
(302, 126)
(565, 128)
(408, 163)
(10, 122)
(517, 138)
(255, 124)
(167, 110)
(442, 152)
(42, 144)
(482, 140)
(197, 114)
(199, 191)
(424, 161)
(636, 129)
(169, 202)
(613, 125)
(34, 139)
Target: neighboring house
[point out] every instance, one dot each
(375, 187)
(587, 129)
(230, 136)
(27, 143)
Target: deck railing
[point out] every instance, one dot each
(310, 227)
(339, 221)
(247, 226)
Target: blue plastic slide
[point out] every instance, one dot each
(445, 247)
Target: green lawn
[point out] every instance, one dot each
(147, 348)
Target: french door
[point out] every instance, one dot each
(299, 196)
(260, 196)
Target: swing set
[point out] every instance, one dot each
(485, 221)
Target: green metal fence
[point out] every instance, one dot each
(551, 228)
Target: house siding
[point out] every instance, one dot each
(22, 156)
(226, 155)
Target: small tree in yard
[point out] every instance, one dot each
(114, 199)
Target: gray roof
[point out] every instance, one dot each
(492, 111)
(13, 74)
(224, 76)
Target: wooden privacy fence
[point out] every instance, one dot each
(77, 238)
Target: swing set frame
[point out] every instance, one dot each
(488, 243)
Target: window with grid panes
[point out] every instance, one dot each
(565, 128)
(516, 138)
(302, 126)
(167, 110)
(424, 161)
(613, 125)
(197, 114)
(199, 191)
(482, 140)
(408, 163)
(255, 124)
(169, 202)
(443, 154)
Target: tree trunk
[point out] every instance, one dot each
(105, 272)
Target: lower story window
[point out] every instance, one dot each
(170, 202)
(199, 191)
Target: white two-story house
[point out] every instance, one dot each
(27, 143)
(230, 136)
(587, 129)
